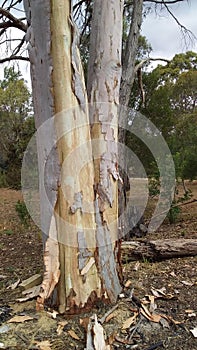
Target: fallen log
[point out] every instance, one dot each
(158, 250)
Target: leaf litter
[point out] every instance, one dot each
(176, 329)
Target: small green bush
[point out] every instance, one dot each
(154, 187)
(3, 182)
(175, 208)
(23, 213)
(173, 213)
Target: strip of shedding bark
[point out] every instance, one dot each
(52, 266)
(95, 336)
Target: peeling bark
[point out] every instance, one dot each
(56, 72)
(39, 42)
(74, 289)
(80, 248)
(95, 336)
(127, 80)
(52, 266)
(104, 73)
(129, 57)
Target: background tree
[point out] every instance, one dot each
(170, 103)
(16, 125)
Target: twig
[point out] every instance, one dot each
(174, 206)
(17, 49)
(166, 2)
(14, 58)
(184, 30)
(102, 319)
(23, 337)
(15, 21)
(155, 346)
(135, 328)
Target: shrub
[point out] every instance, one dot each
(23, 213)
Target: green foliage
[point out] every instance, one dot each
(171, 104)
(175, 208)
(173, 213)
(3, 182)
(154, 187)
(180, 63)
(16, 125)
(23, 213)
(183, 144)
(144, 48)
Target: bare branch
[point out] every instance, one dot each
(14, 22)
(17, 49)
(184, 30)
(156, 2)
(19, 10)
(188, 35)
(14, 58)
(147, 60)
(8, 40)
(162, 2)
(6, 25)
(12, 5)
(2, 31)
(4, 3)
(76, 6)
(87, 23)
(138, 70)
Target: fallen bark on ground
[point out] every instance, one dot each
(159, 249)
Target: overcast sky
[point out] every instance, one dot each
(165, 35)
(162, 32)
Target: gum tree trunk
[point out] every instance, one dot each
(78, 210)
(127, 80)
(104, 74)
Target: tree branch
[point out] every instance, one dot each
(165, 4)
(76, 6)
(2, 31)
(156, 2)
(17, 49)
(12, 4)
(8, 40)
(15, 22)
(146, 60)
(162, 2)
(184, 30)
(138, 70)
(4, 3)
(12, 58)
(6, 24)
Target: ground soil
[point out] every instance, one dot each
(21, 257)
